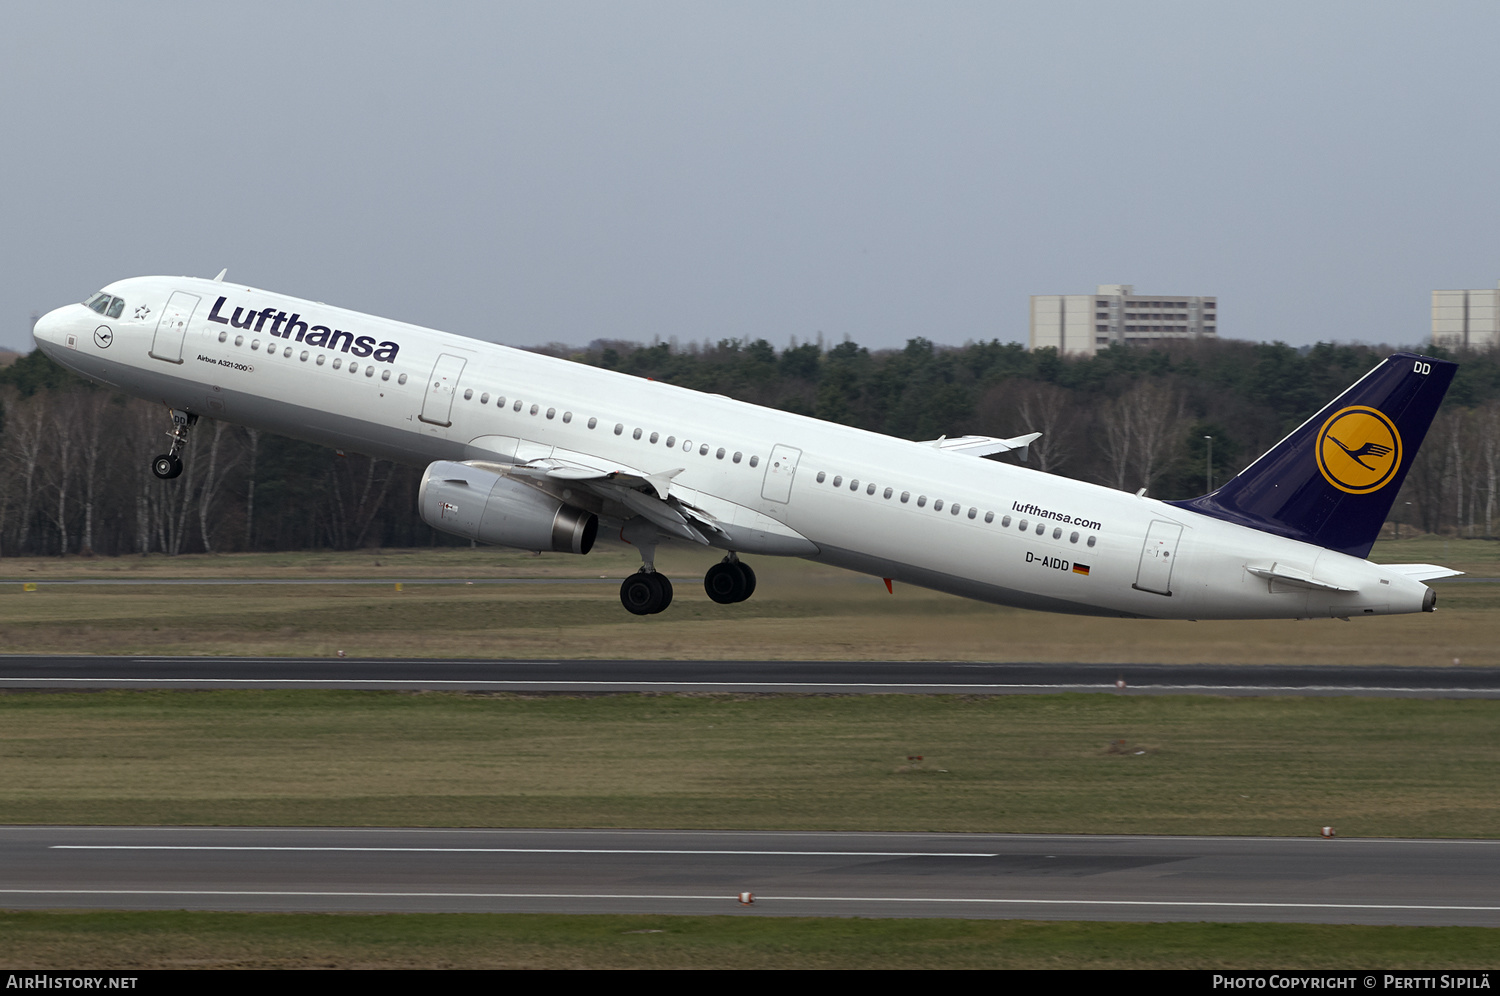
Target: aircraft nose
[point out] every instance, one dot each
(48, 329)
(51, 327)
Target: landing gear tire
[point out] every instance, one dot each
(725, 583)
(166, 466)
(749, 579)
(646, 594)
(729, 581)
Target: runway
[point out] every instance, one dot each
(806, 677)
(1419, 882)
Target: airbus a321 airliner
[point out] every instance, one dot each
(540, 453)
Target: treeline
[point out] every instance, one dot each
(75, 477)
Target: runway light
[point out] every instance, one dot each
(747, 898)
(1328, 831)
(341, 653)
(1120, 684)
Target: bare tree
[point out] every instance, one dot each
(1141, 429)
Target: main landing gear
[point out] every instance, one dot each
(169, 465)
(729, 581)
(648, 591)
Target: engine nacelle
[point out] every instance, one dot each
(482, 505)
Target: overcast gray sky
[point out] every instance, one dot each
(535, 172)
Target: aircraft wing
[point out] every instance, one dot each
(984, 445)
(646, 494)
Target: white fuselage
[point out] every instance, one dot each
(1083, 548)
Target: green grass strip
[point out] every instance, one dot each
(477, 940)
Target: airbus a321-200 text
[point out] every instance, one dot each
(540, 453)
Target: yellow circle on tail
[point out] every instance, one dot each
(1359, 450)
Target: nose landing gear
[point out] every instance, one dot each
(169, 465)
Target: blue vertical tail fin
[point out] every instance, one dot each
(1333, 480)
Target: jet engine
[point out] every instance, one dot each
(483, 505)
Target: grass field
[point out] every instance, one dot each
(250, 940)
(1089, 764)
(800, 611)
(1045, 764)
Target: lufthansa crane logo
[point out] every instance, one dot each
(1359, 450)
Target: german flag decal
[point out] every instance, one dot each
(1081, 569)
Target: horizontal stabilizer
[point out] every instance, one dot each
(1297, 578)
(1422, 572)
(981, 446)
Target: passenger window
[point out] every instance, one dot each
(354, 368)
(321, 358)
(256, 345)
(905, 497)
(854, 485)
(1057, 533)
(517, 406)
(1020, 525)
(619, 428)
(921, 501)
(687, 446)
(822, 477)
(223, 336)
(304, 360)
(338, 361)
(287, 352)
(654, 437)
(703, 450)
(484, 398)
(399, 380)
(239, 340)
(1041, 527)
(869, 489)
(369, 371)
(671, 442)
(593, 422)
(567, 417)
(551, 412)
(535, 409)
(1005, 522)
(1091, 541)
(755, 460)
(973, 511)
(468, 394)
(636, 434)
(838, 481)
(989, 517)
(719, 453)
(937, 506)
(1073, 538)
(888, 493)
(736, 456)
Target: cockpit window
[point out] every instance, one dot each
(101, 302)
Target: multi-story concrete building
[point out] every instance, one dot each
(1466, 319)
(1083, 324)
